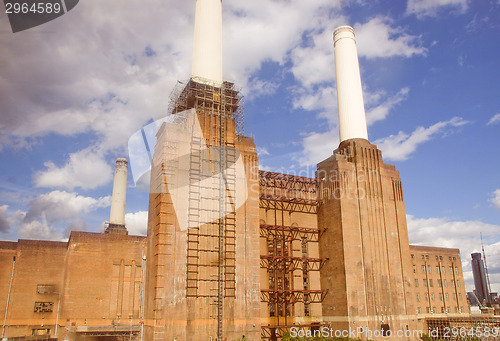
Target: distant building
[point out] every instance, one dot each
(481, 290)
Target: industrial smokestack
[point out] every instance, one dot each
(117, 214)
(352, 120)
(207, 49)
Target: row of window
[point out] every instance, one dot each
(44, 307)
(429, 269)
(443, 310)
(441, 297)
(440, 283)
(451, 258)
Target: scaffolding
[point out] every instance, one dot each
(288, 192)
(291, 194)
(188, 94)
(211, 247)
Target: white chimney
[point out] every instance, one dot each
(117, 214)
(207, 50)
(352, 120)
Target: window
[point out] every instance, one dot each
(432, 297)
(451, 270)
(447, 296)
(426, 296)
(419, 310)
(416, 283)
(437, 269)
(443, 268)
(456, 309)
(454, 297)
(459, 296)
(425, 283)
(40, 331)
(426, 256)
(429, 268)
(445, 284)
(461, 309)
(437, 257)
(441, 298)
(423, 269)
(458, 283)
(454, 258)
(430, 283)
(272, 310)
(412, 256)
(423, 257)
(439, 283)
(452, 283)
(307, 311)
(442, 309)
(428, 309)
(414, 269)
(44, 307)
(440, 257)
(418, 297)
(434, 310)
(45, 289)
(304, 247)
(448, 310)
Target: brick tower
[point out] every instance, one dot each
(203, 237)
(363, 212)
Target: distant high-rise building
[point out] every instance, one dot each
(480, 281)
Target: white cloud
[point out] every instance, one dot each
(314, 63)
(257, 88)
(323, 100)
(94, 80)
(464, 235)
(496, 199)
(262, 151)
(319, 146)
(62, 206)
(86, 169)
(137, 223)
(53, 215)
(380, 111)
(494, 120)
(377, 39)
(401, 146)
(4, 221)
(313, 67)
(424, 8)
(100, 80)
(38, 230)
(253, 35)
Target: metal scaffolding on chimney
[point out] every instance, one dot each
(211, 247)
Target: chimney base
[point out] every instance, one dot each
(116, 229)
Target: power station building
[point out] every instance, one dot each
(233, 252)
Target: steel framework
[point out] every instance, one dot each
(284, 261)
(291, 232)
(289, 193)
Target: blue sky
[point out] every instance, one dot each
(74, 90)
